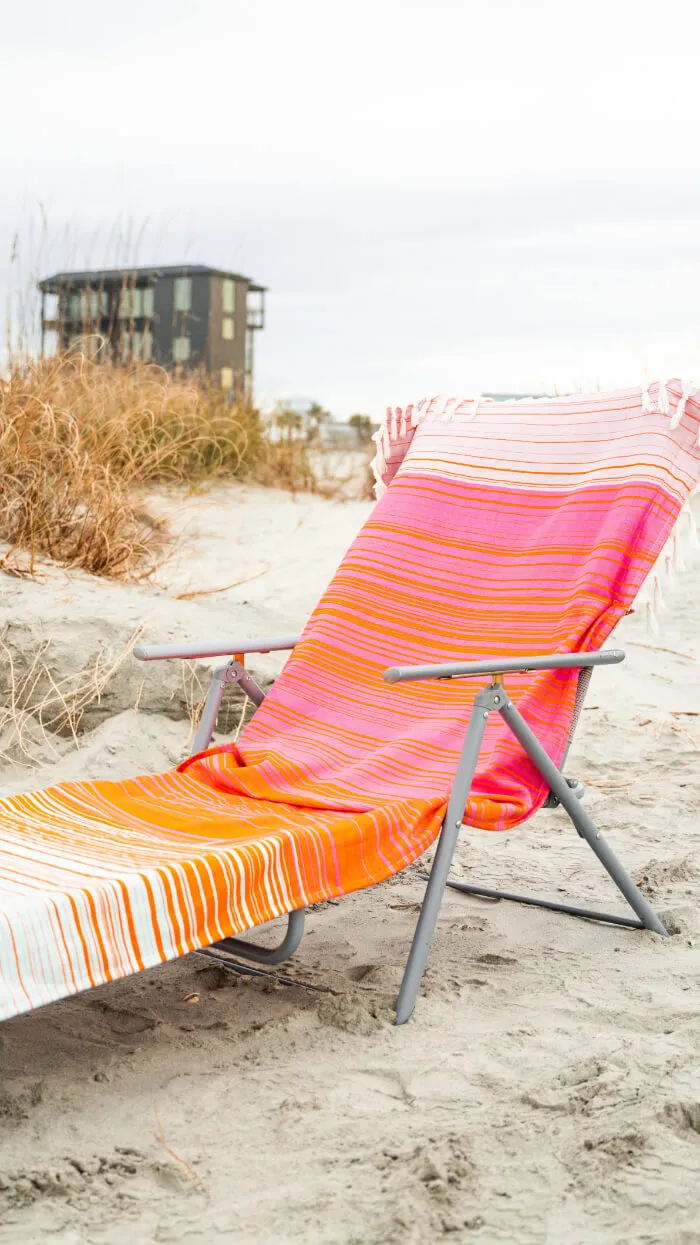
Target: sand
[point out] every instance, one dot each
(548, 1086)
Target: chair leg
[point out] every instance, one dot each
(233, 672)
(486, 701)
(210, 712)
(582, 821)
(273, 955)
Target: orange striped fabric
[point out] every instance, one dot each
(507, 529)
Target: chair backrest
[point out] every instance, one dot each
(507, 529)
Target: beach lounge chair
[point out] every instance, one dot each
(435, 686)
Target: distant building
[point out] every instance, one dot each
(512, 397)
(192, 317)
(301, 419)
(335, 435)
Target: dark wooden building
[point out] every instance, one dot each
(193, 317)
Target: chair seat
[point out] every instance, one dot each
(102, 879)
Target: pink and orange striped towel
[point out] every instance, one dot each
(507, 529)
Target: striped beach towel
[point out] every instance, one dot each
(506, 529)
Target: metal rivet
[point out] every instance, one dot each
(496, 700)
(486, 713)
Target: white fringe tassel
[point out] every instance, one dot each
(679, 412)
(671, 562)
(646, 399)
(661, 405)
(398, 423)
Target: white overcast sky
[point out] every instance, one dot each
(440, 194)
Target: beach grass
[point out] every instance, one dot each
(79, 440)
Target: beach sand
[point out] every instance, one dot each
(547, 1088)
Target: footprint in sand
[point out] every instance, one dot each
(75, 1179)
(579, 1089)
(15, 1107)
(125, 1022)
(443, 1181)
(684, 1117)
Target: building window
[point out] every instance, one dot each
(183, 293)
(52, 306)
(227, 378)
(228, 296)
(135, 303)
(181, 349)
(227, 329)
(89, 305)
(142, 347)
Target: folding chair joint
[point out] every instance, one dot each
(264, 955)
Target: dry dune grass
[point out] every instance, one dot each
(38, 708)
(79, 438)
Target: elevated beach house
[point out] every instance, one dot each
(187, 317)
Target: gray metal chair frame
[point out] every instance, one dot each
(491, 699)
(232, 672)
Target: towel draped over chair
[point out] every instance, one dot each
(507, 528)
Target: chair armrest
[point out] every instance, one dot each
(502, 665)
(215, 648)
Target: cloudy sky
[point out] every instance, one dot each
(440, 194)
